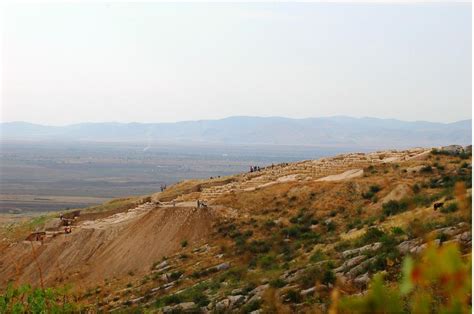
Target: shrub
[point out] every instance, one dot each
(291, 232)
(251, 306)
(426, 169)
(331, 226)
(329, 277)
(421, 200)
(397, 231)
(168, 300)
(25, 299)
(259, 246)
(394, 207)
(317, 256)
(277, 283)
(200, 299)
(184, 243)
(176, 275)
(293, 296)
(370, 194)
(450, 208)
(416, 228)
(356, 223)
(269, 224)
(370, 236)
(416, 188)
(267, 261)
(375, 188)
(442, 237)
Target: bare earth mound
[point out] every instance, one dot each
(89, 254)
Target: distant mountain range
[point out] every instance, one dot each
(337, 131)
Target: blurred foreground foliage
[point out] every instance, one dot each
(25, 299)
(438, 282)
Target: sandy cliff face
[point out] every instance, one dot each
(107, 248)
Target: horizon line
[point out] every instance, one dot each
(228, 117)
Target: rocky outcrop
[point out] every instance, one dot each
(408, 246)
(185, 307)
(367, 248)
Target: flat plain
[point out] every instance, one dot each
(50, 176)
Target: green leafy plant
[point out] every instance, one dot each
(25, 299)
(438, 282)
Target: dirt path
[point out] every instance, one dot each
(349, 174)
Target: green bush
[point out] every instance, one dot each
(269, 224)
(394, 207)
(439, 282)
(259, 246)
(292, 296)
(450, 208)
(370, 194)
(25, 299)
(176, 275)
(426, 169)
(331, 226)
(370, 236)
(397, 231)
(277, 283)
(267, 261)
(329, 277)
(317, 256)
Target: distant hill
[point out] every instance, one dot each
(337, 131)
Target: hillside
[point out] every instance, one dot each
(325, 132)
(281, 239)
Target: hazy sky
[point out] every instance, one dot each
(67, 63)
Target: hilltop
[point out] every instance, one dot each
(284, 235)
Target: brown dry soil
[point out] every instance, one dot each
(106, 249)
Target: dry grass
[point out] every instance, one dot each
(189, 186)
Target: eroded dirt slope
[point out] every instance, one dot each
(107, 248)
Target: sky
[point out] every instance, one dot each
(64, 63)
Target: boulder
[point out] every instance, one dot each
(237, 291)
(255, 298)
(362, 280)
(406, 246)
(308, 291)
(236, 300)
(292, 277)
(449, 231)
(181, 307)
(359, 269)
(222, 305)
(161, 265)
(464, 238)
(350, 263)
(418, 249)
(367, 248)
(223, 266)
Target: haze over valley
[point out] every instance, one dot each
(51, 168)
